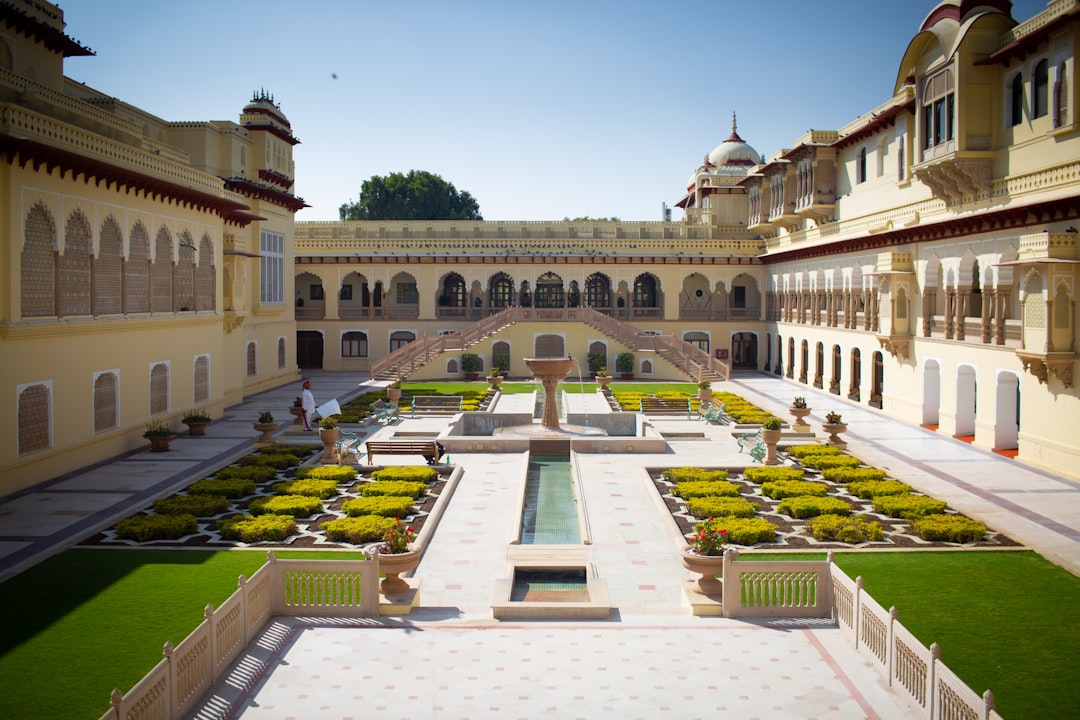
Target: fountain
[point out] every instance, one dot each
(550, 371)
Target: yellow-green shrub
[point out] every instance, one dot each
(857, 529)
(227, 487)
(337, 473)
(142, 528)
(411, 473)
(686, 474)
(773, 474)
(295, 505)
(358, 530)
(257, 529)
(949, 528)
(824, 462)
(801, 451)
(780, 489)
(391, 487)
(387, 506)
(704, 507)
(197, 505)
(274, 460)
(852, 474)
(723, 488)
(322, 489)
(869, 489)
(908, 507)
(746, 531)
(806, 506)
(255, 473)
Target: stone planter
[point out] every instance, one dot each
(393, 394)
(265, 429)
(834, 430)
(709, 566)
(604, 380)
(705, 395)
(159, 443)
(495, 380)
(196, 428)
(800, 424)
(393, 564)
(770, 438)
(329, 439)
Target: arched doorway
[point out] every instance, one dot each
(877, 387)
(309, 349)
(1007, 412)
(965, 402)
(931, 394)
(744, 350)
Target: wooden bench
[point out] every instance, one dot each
(427, 448)
(753, 443)
(435, 405)
(665, 406)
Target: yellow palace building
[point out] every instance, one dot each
(921, 260)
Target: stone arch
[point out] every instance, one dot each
(931, 406)
(161, 273)
(159, 388)
(501, 291)
(184, 276)
(252, 359)
(966, 394)
(38, 263)
(549, 291)
(137, 271)
(598, 291)
(744, 300)
(35, 418)
(205, 276)
(310, 297)
(548, 345)
(695, 299)
(647, 294)
(353, 296)
(73, 273)
(1007, 411)
(404, 300)
(202, 378)
(107, 280)
(105, 401)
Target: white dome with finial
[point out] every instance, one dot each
(734, 155)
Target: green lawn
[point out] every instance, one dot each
(570, 385)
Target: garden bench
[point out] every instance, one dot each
(712, 413)
(753, 443)
(347, 442)
(427, 448)
(665, 406)
(435, 405)
(384, 411)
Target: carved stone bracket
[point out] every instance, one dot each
(896, 345)
(233, 321)
(1041, 365)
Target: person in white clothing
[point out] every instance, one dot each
(307, 405)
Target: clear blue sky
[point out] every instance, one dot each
(542, 109)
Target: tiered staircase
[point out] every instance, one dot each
(688, 358)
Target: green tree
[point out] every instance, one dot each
(419, 195)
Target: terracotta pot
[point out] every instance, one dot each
(160, 443)
(709, 566)
(704, 395)
(196, 428)
(393, 394)
(393, 564)
(265, 429)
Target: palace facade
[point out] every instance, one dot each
(921, 260)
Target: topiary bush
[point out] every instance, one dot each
(851, 474)
(197, 505)
(693, 474)
(322, 489)
(950, 528)
(294, 505)
(255, 473)
(801, 451)
(274, 460)
(279, 450)
(908, 507)
(806, 506)
(264, 528)
(411, 473)
(387, 506)
(226, 487)
(773, 474)
(358, 530)
(746, 531)
(704, 507)
(144, 528)
(869, 489)
(391, 487)
(823, 462)
(688, 490)
(781, 489)
(857, 529)
(338, 473)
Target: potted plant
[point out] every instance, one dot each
(470, 365)
(834, 387)
(393, 391)
(705, 554)
(502, 362)
(265, 425)
(596, 360)
(704, 392)
(800, 411)
(329, 432)
(297, 409)
(159, 434)
(397, 554)
(834, 425)
(602, 376)
(770, 435)
(495, 377)
(196, 420)
(624, 365)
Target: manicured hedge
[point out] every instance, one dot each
(322, 489)
(824, 462)
(197, 505)
(793, 488)
(295, 451)
(723, 488)
(950, 528)
(143, 528)
(773, 474)
(411, 473)
(337, 473)
(851, 474)
(390, 487)
(801, 451)
(255, 473)
(746, 531)
(387, 506)
(805, 506)
(274, 460)
(908, 507)
(295, 505)
(693, 474)
(257, 529)
(358, 530)
(856, 529)
(226, 487)
(704, 507)
(869, 489)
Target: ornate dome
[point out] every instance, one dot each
(734, 154)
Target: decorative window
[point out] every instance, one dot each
(400, 338)
(1040, 91)
(252, 359)
(38, 268)
(550, 345)
(161, 274)
(1016, 100)
(159, 388)
(1061, 97)
(107, 268)
(345, 293)
(860, 166)
(281, 353)
(74, 285)
(407, 294)
(938, 109)
(202, 378)
(354, 344)
(205, 276)
(501, 293)
(316, 292)
(185, 275)
(272, 268)
(35, 417)
(137, 271)
(738, 296)
(105, 392)
(901, 159)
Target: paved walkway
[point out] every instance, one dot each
(451, 659)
